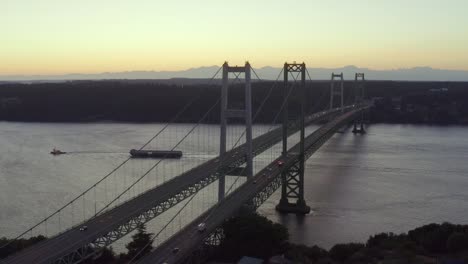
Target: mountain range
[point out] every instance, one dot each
(265, 73)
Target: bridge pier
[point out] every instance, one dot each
(333, 92)
(292, 177)
(292, 186)
(227, 113)
(293, 208)
(359, 82)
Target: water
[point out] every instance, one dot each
(393, 179)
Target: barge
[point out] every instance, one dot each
(166, 154)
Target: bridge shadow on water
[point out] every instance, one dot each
(334, 160)
(326, 182)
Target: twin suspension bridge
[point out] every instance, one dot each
(176, 196)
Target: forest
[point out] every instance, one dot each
(161, 101)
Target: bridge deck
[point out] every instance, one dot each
(73, 240)
(189, 238)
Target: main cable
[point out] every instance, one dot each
(186, 106)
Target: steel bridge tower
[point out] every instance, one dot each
(359, 90)
(336, 79)
(292, 176)
(226, 114)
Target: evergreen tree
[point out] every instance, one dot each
(141, 243)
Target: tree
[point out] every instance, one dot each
(305, 254)
(141, 243)
(342, 252)
(106, 256)
(457, 242)
(252, 235)
(10, 246)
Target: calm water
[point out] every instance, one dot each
(392, 179)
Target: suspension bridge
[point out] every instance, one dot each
(251, 164)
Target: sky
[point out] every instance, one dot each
(93, 36)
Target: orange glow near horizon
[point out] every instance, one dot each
(59, 37)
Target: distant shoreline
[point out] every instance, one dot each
(435, 103)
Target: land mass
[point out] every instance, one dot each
(161, 100)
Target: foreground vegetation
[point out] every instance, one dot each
(256, 236)
(138, 247)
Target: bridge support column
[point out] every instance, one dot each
(292, 178)
(359, 82)
(333, 92)
(293, 183)
(227, 113)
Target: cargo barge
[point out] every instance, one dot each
(166, 154)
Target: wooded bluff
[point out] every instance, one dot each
(160, 101)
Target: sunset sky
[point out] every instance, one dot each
(92, 36)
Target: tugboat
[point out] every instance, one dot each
(57, 152)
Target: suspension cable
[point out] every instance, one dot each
(233, 184)
(176, 117)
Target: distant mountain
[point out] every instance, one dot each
(265, 73)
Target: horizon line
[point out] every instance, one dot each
(212, 66)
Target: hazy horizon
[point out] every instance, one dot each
(266, 73)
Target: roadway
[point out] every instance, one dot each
(74, 240)
(181, 245)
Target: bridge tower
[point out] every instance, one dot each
(336, 81)
(359, 90)
(292, 177)
(226, 114)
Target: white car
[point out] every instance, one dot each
(83, 228)
(201, 227)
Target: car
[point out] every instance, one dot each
(280, 163)
(201, 227)
(269, 169)
(175, 250)
(255, 181)
(83, 228)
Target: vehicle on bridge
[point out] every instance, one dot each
(201, 227)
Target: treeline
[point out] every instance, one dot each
(88, 101)
(10, 246)
(443, 105)
(139, 246)
(256, 236)
(253, 235)
(150, 101)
